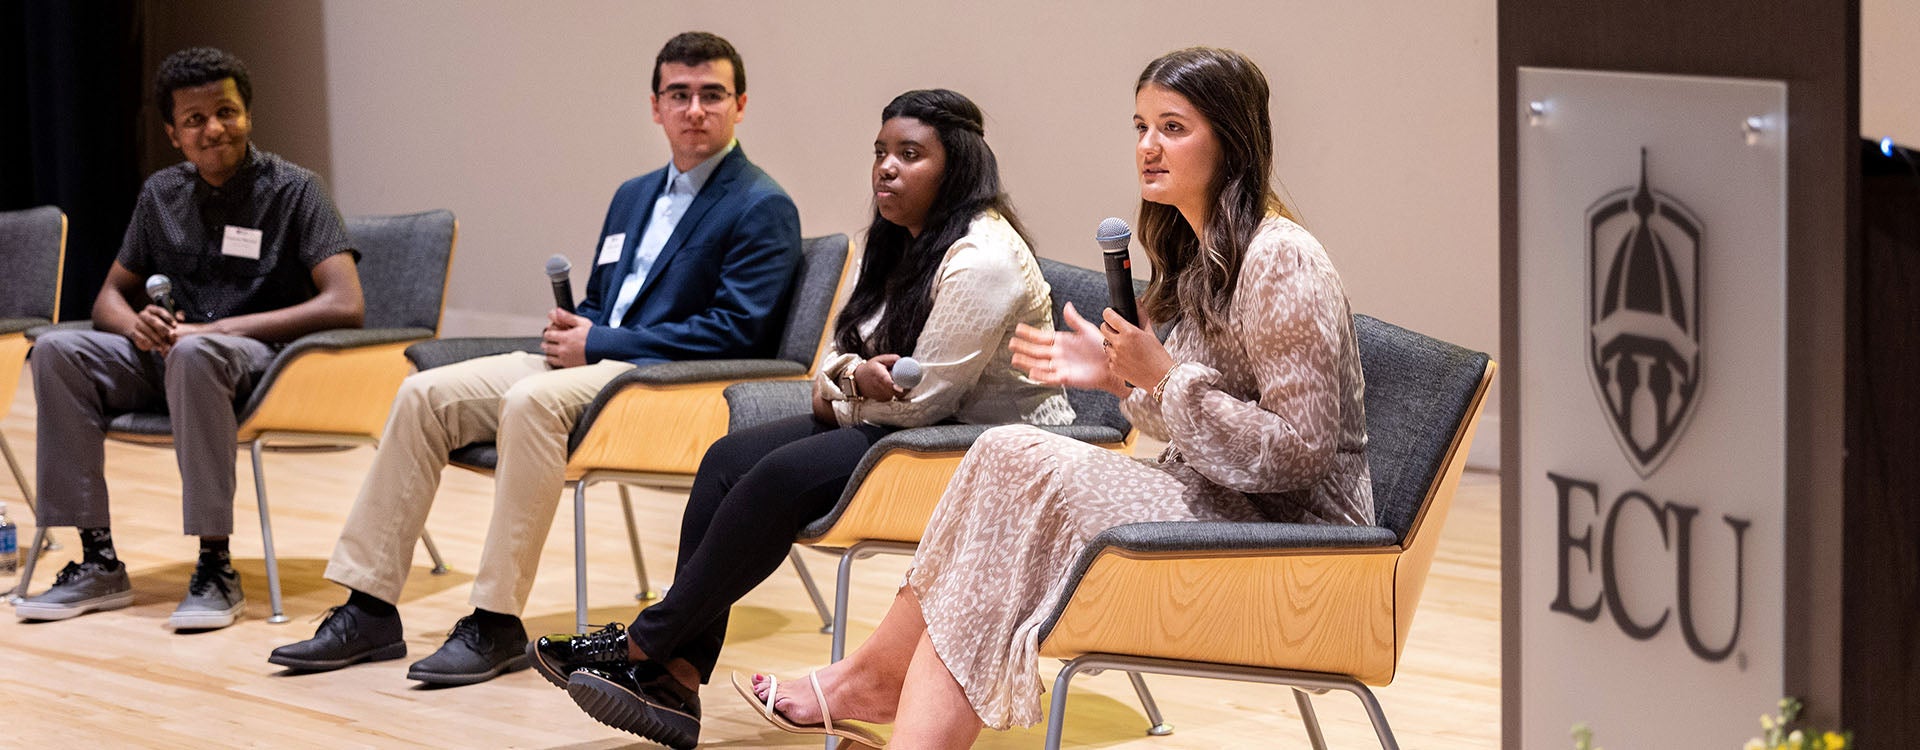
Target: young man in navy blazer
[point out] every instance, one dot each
(694, 262)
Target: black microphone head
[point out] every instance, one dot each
(158, 286)
(558, 267)
(906, 373)
(1114, 234)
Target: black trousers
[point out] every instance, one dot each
(755, 490)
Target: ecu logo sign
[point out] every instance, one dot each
(1643, 318)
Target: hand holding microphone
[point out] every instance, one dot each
(153, 324)
(560, 273)
(1113, 236)
(564, 342)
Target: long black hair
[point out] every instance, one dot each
(897, 271)
(1194, 279)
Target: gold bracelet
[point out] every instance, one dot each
(1160, 388)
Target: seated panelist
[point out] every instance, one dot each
(1257, 391)
(946, 277)
(693, 261)
(254, 255)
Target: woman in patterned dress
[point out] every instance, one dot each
(1258, 393)
(946, 276)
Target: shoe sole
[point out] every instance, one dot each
(514, 664)
(615, 706)
(27, 610)
(388, 652)
(212, 619)
(551, 673)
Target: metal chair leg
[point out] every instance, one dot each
(842, 583)
(1309, 718)
(26, 493)
(580, 556)
(26, 572)
(827, 619)
(1156, 726)
(266, 534)
(433, 551)
(1057, 709)
(646, 593)
(1374, 713)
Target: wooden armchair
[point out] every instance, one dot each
(1314, 607)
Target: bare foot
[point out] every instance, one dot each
(848, 695)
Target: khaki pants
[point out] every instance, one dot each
(513, 400)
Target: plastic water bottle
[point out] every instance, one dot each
(9, 544)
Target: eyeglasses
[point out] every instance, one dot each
(710, 98)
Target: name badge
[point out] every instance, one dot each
(241, 242)
(610, 248)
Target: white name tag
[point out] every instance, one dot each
(241, 242)
(610, 248)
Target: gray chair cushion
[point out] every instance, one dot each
(1418, 393)
(485, 456)
(427, 355)
(811, 298)
(19, 325)
(749, 404)
(403, 267)
(31, 242)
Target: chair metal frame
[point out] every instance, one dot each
(13, 355)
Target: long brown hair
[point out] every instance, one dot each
(1193, 279)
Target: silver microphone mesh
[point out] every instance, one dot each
(1113, 234)
(158, 285)
(558, 267)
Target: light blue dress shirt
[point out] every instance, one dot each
(667, 210)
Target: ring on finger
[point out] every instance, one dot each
(1106, 343)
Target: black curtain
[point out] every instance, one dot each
(71, 77)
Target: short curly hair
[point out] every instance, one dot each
(198, 66)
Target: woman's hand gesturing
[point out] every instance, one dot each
(1076, 358)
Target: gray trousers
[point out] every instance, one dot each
(82, 378)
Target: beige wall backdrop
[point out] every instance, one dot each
(522, 118)
(1890, 70)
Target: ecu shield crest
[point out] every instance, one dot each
(1643, 318)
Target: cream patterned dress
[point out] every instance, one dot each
(1264, 422)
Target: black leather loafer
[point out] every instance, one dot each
(556, 656)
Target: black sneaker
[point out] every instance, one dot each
(80, 587)
(556, 656)
(642, 698)
(214, 599)
(349, 636)
(474, 653)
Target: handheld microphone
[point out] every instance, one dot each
(558, 272)
(160, 290)
(1113, 236)
(906, 373)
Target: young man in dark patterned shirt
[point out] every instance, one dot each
(257, 255)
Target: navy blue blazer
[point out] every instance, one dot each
(719, 288)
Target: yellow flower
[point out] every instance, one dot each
(1754, 744)
(1766, 721)
(1835, 741)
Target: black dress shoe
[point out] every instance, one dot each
(557, 656)
(476, 651)
(349, 636)
(642, 698)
